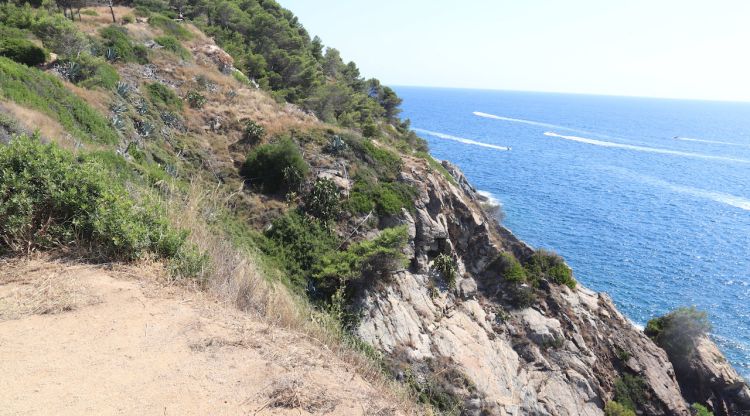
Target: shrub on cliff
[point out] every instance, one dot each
(444, 265)
(119, 47)
(50, 199)
(547, 265)
(275, 167)
(368, 259)
(22, 51)
(322, 200)
(700, 410)
(616, 409)
(630, 391)
(163, 96)
(677, 331)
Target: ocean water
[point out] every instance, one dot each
(647, 199)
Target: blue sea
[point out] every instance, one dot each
(647, 199)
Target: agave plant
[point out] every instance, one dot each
(118, 122)
(124, 89)
(336, 146)
(172, 120)
(144, 127)
(111, 54)
(141, 106)
(118, 108)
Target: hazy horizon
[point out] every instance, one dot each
(670, 49)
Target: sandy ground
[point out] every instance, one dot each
(80, 340)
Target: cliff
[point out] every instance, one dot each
(564, 355)
(458, 324)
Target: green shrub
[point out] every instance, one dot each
(56, 32)
(547, 265)
(275, 167)
(629, 391)
(173, 45)
(169, 26)
(35, 89)
(163, 97)
(89, 12)
(386, 163)
(444, 265)
(298, 244)
(511, 268)
(22, 51)
(89, 72)
(119, 47)
(677, 331)
(196, 99)
(369, 129)
(128, 19)
(368, 259)
(700, 410)
(322, 200)
(384, 198)
(241, 77)
(253, 132)
(616, 409)
(50, 199)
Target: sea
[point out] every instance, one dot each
(647, 199)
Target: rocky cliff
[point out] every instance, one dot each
(565, 352)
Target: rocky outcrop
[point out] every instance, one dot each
(562, 355)
(706, 377)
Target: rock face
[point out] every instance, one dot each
(706, 377)
(562, 355)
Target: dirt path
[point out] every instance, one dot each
(104, 345)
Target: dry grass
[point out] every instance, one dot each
(33, 120)
(37, 287)
(237, 278)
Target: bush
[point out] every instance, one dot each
(677, 331)
(173, 45)
(384, 198)
(511, 268)
(616, 409)
(275, 167)
(89, 72)
(119, 46)
(22, 51)
(35, 89)
(163, 97)
(128, 19)
(299, 242)
(386, 163)
(322, 201)
(49, 199)
(253, 132)
(444, 265)
(700, 410)
(547, 265)
(169, 26)
(196, 99)
(367, 259)
(629, 391)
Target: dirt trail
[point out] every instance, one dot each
(105, 345)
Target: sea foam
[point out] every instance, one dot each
(643, 148)
(720, 197)
(461, 139)
(688, 139)
(532, 123)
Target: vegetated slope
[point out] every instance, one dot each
(81, 339)
(376, 243)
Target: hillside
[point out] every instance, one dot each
(226, 199)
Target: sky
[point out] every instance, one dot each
(651, 48)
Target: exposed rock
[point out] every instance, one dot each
(558, 358)
(706, 377)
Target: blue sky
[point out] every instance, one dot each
(655, 48)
